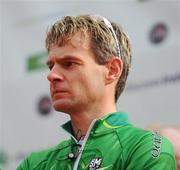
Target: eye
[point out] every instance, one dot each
(69, 64)
(50, 66)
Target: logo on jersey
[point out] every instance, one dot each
(157, 142)
(95, 163)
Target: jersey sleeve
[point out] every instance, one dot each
(24, 165)
(153, 152)
(34, 161)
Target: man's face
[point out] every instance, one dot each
(76, 80)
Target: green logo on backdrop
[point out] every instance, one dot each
(37, 61)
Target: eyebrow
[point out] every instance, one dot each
(64, 58)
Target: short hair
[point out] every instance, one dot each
(103, 43)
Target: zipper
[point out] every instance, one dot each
(76, 163)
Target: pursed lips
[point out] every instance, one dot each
(58, 91)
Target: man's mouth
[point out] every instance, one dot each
(60, 93)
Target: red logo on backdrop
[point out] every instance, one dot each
(44, 105)
(158, 33)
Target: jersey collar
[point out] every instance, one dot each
(105, 124)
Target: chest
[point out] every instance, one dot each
(100, 152)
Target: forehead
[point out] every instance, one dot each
(77, 45)
(80, 39)
(77, 39)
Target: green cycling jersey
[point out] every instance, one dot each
(111, 143)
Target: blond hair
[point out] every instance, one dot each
(103, 42)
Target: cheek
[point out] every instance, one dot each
(87, 82)
(92, 83)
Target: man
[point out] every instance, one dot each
(89, 60)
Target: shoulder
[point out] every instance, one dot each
(145, 148)
(38, 158)
(133, 135)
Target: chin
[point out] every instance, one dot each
(62, 106)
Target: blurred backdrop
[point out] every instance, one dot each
(27, 120)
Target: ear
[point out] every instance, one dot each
(114, 70)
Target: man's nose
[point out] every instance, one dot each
(55, 75)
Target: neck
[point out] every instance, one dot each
(82, 120)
